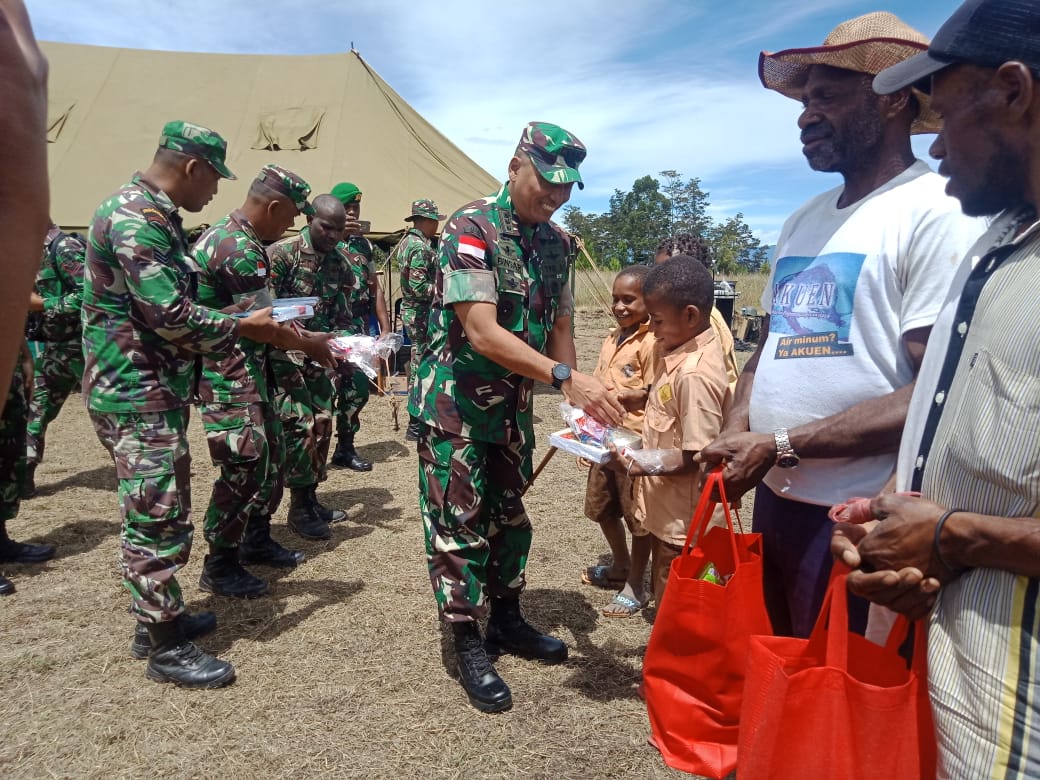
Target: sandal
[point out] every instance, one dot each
(597, 577)
(629, 606)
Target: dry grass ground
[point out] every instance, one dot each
(343, 670)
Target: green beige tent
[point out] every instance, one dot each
(329, 118)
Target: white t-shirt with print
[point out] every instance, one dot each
(845, 286)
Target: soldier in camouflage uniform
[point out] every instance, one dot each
(12, 471)
(500, 318)
(56, 299)
(236, 391)
(142, 331)
(312, 263)
(353, 388)
(417, 261)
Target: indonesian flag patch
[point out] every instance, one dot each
(472, 246)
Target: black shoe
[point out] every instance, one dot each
(175, 659)
(328, 514)
(414, 429)
(20, 552)
(6, 586)
(223, 574)
(258, 547)
(346, 456)
(303, 518)
(508, 632)
(192, 626)
(486, 690)
(28, 489)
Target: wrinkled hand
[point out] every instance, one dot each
(316, 347)
(746, 457)
(593, 396)
(882, 573)
(905, 537)
(633, 400)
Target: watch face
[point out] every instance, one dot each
(561, 371)
(787, 461)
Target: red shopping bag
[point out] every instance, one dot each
(693, 670)
(836, 705)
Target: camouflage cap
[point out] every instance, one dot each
(424, 207)
(196, 141)
(555, 152)
(346, 193)
(288, 184)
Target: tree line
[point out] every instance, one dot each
(657, 207)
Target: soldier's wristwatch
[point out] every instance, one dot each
(786, 457)
(561, 372)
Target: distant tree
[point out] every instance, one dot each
(735, 246)
(637, 219)
(687, 204)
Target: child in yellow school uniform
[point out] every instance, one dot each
(687, 399)
(625, 364)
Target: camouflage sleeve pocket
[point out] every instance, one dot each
(469, 285)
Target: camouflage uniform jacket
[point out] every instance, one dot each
(417, 262)
(297, 271)
(234, 265)
(60, 283)
(486, 255)
(142, 327)
(359, 254)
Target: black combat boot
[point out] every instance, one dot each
(223, 574)
(508, 632)
(20, 552)
(199, 624)
(346, 456)
(258, 547)
(175, 659)
(303, 518)
(28, 489)
(328, 514)
(486, 690)
(6, 586)
(414, 429)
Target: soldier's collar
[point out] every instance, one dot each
(162, 200)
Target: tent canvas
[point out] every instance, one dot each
(329, 118)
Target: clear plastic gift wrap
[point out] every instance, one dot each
(365, 352)
(286, 309)
(587, 438)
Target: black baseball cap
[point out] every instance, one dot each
(980, 32)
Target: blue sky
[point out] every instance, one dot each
(649, 85)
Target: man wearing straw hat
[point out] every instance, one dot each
(861, 271)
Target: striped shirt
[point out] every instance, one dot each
(974, 425)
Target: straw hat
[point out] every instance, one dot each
(866, 44)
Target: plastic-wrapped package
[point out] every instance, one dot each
(587, 438)
(651, 461)
(365, 352)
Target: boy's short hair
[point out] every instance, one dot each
(682, 281)
(687, 244)
(635, 271)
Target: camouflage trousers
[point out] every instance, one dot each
(477, 531)
(59, 371)
(245, 443)
(153, 466)
(304, 403)
(352, 393)
(415, 321)
(12, 446)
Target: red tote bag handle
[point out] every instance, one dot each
(706, 509)
(834, 620)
